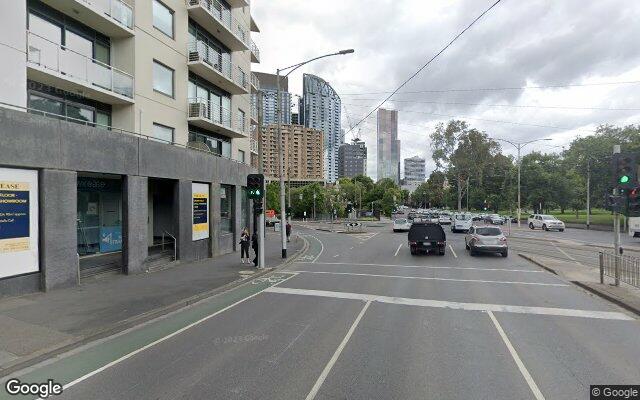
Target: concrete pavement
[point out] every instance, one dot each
(358, 317)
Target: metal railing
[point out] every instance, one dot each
(118, 10)
(175, 244)
(200, 51)
(621, 268)
(61, 117)
(223, 15)
(203, 108)
(254, 81)
(254, 49)
(58, 58)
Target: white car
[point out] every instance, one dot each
(634, 226)
(545, 222)
(486, 239)
(444, 219)
(461, 223)
(401, 225)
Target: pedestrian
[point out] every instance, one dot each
(288, 230)
(254, 245)
(244, 245)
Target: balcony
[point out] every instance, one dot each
(254, 108)
(255, 52)
(253, 142)
(209, 64)
(238, 3)
(56, 65)
(255, 83)
(212, 16)
(113, 18)
(204, 114)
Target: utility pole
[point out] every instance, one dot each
(467, 194)
(314, 204)
(616, 230)
(588, 192)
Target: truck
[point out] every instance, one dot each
(634, 226)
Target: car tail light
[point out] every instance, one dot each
(440, 243)
(503, 239)
(412, 243)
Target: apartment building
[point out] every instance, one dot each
(388, 145)
(269, 93)
(127, 135)
(303, 156)
(352, 159)
(414, 173)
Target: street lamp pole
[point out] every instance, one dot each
(283, 211)
(519, 146)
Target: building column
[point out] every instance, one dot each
(184, 221)
(214, 228)
(237, 217)
(136, 219)
(58, 229)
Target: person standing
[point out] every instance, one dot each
(288, 231)
(244, 245)
(254, 245)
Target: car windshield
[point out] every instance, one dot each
(463, 217)
(489, 231)
(401, 221)
(549, 217)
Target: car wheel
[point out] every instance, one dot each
(530, 225)
(472, 252)
(561, 230)
(505, 253)
(544, 227)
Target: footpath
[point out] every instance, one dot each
(38, 326)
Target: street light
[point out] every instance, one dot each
(519, 146)
(283, 211)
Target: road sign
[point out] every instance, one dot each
(352, 224)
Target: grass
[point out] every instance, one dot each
(598, 216)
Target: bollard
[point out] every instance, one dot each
(601, 258)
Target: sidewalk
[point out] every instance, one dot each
(588, 278)
(37, 324)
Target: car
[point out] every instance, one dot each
(271, 221)
(427, 237)
(634, 226)
(486, 239)
(444, 218)
(545, 222)
(461, 223)
(477, 217)
(495, 219)
(401, 225)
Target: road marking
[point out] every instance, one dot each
(398, 250)
(563, 252)
(454, 253)
(351, 248)
(162, 339)
(523, 370)
(321, 249)
(325, 372)
(423, 266)
(426, 278)
(562, 312)
(337, 255)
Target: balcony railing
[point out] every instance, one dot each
(254, 81)
(200, 51)
(63, 60)
(203, 108)
(116, 9)
(223, 15)
(254, 49)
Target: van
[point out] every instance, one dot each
(427, 237)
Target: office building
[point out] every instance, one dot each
(295, 120)
(320, 109)
(414, 173)
(269, 92)
(135, 147)
(352, 159)
(388, 145)
(303, 157)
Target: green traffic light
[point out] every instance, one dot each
(624, 179)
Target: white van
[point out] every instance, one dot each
(461, 223)
(634, 226)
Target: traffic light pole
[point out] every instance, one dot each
(616, 231)
(261, 237)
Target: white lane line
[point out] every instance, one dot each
(562, 312)
(321, 249)
(351, 248)
(162, 339)
(425, 278)
(325, 372)
(454, 253)
(398, 250)
(564, 252)
(337, 255)
(523, 370)
(424, 266)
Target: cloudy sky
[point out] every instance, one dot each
(581, 43)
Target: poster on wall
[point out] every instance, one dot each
(200, 214)
(18, 222)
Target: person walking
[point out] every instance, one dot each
(244, 245)
(288, 228)
(254, 245)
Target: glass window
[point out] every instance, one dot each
(45, 29)
(226, 208)
(46, 104)
(241, 156)
(99, 206)
(162, 79)
(163, 18)
(162, 132)
(80, 113)
(103, 119)
(102, 52)
(226, 149)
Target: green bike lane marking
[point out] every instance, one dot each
(96, 356)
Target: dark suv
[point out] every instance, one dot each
(425, 237)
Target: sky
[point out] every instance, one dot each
(583, 43)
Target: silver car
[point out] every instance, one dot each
(486, 239)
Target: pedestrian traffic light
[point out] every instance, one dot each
(625, 171)
(633, 202)
(349, 208)
(255, 186)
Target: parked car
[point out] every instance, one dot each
(486, 239)
(545, 222)
(426, 237)
(477, 217)
(401, 225)
(444, 218)
(461, 223)
(495, 219)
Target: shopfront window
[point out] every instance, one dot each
(226, 208)
(99, 215)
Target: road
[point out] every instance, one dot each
(358, 317)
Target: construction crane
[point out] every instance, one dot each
(356, 135)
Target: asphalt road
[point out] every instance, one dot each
(358, 317)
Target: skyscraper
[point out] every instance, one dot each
(388, 145)
(414, 173)
(320, 109)
(268, 89)
(352, 159)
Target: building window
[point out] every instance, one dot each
(241, 121)
(163, 18)
(99, 209)
(163, 132)
(226, 208)
(162, 78)
(241, 156)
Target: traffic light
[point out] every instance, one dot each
(349, 208)
(255, 186)
(633, 202)
(625, 171)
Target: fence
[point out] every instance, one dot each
(621, 268)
